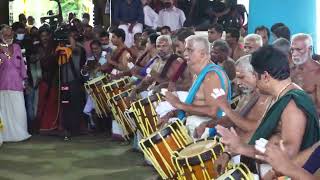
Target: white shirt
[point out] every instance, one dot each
(172, 17)
(150, 17)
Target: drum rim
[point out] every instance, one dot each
(120, 83)
(97, 79)
(205, 156)
(152, 98)
(237, 174)
(121, 95)
(163, 133)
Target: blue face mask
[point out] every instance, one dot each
(20, 37)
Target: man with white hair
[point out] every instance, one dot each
(306, 70)
(251, 106)
(252, 42)
(12, 75)
(208, 78)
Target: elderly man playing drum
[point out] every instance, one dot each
(292, 118)
(251, 107)
(199, 104)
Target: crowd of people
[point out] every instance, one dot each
(268, 77)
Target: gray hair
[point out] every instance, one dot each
(166, 38)
(307, 37)
(221, 45)
(199, 42)
(283, 45)
(4, 27)
(254, 37)
(244, 63)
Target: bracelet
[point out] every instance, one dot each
(227, 153)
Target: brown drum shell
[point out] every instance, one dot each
(120, 105)
(97, 90)
(115, 88)
(207, 157)
(147, 107)
(167, 135)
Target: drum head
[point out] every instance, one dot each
(190, 154)
(93, 81)
(239, 172)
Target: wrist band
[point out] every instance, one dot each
(229, 155)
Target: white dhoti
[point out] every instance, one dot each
(13, 110)
(129, 36)
(89, 106)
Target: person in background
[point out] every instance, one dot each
(137, 48)
(23, 19)
(12, 76)
(150, 16)
(105, 42)
(280, 30)
(165, 30)
(214, 32)
(252, 42)
(232, 38)
(85, 18)
(264, 33)
(128, 14)
(171, 16)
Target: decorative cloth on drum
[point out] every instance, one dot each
(271, 120)
(192, 122)
(196, 85)
(165, 107)
(14, 116)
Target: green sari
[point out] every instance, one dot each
(271, 120)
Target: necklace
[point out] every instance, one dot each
(281, 91)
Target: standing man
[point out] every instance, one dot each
(305, 71)
(12, 75)
(171, 16)
(129, 15)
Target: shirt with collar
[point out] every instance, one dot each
(172, 17)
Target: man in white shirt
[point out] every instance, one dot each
(171, 16)
(150, 16)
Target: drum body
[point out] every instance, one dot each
(160, 145)
(238, 172)
(115, 87)
(119, 104)
(196, 160)
(145, 116)
(94, 88)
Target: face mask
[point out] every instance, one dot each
(20, 37)
(85, 21)
(105, 46)
(167, 4)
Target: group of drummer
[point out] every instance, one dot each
(176, 101)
